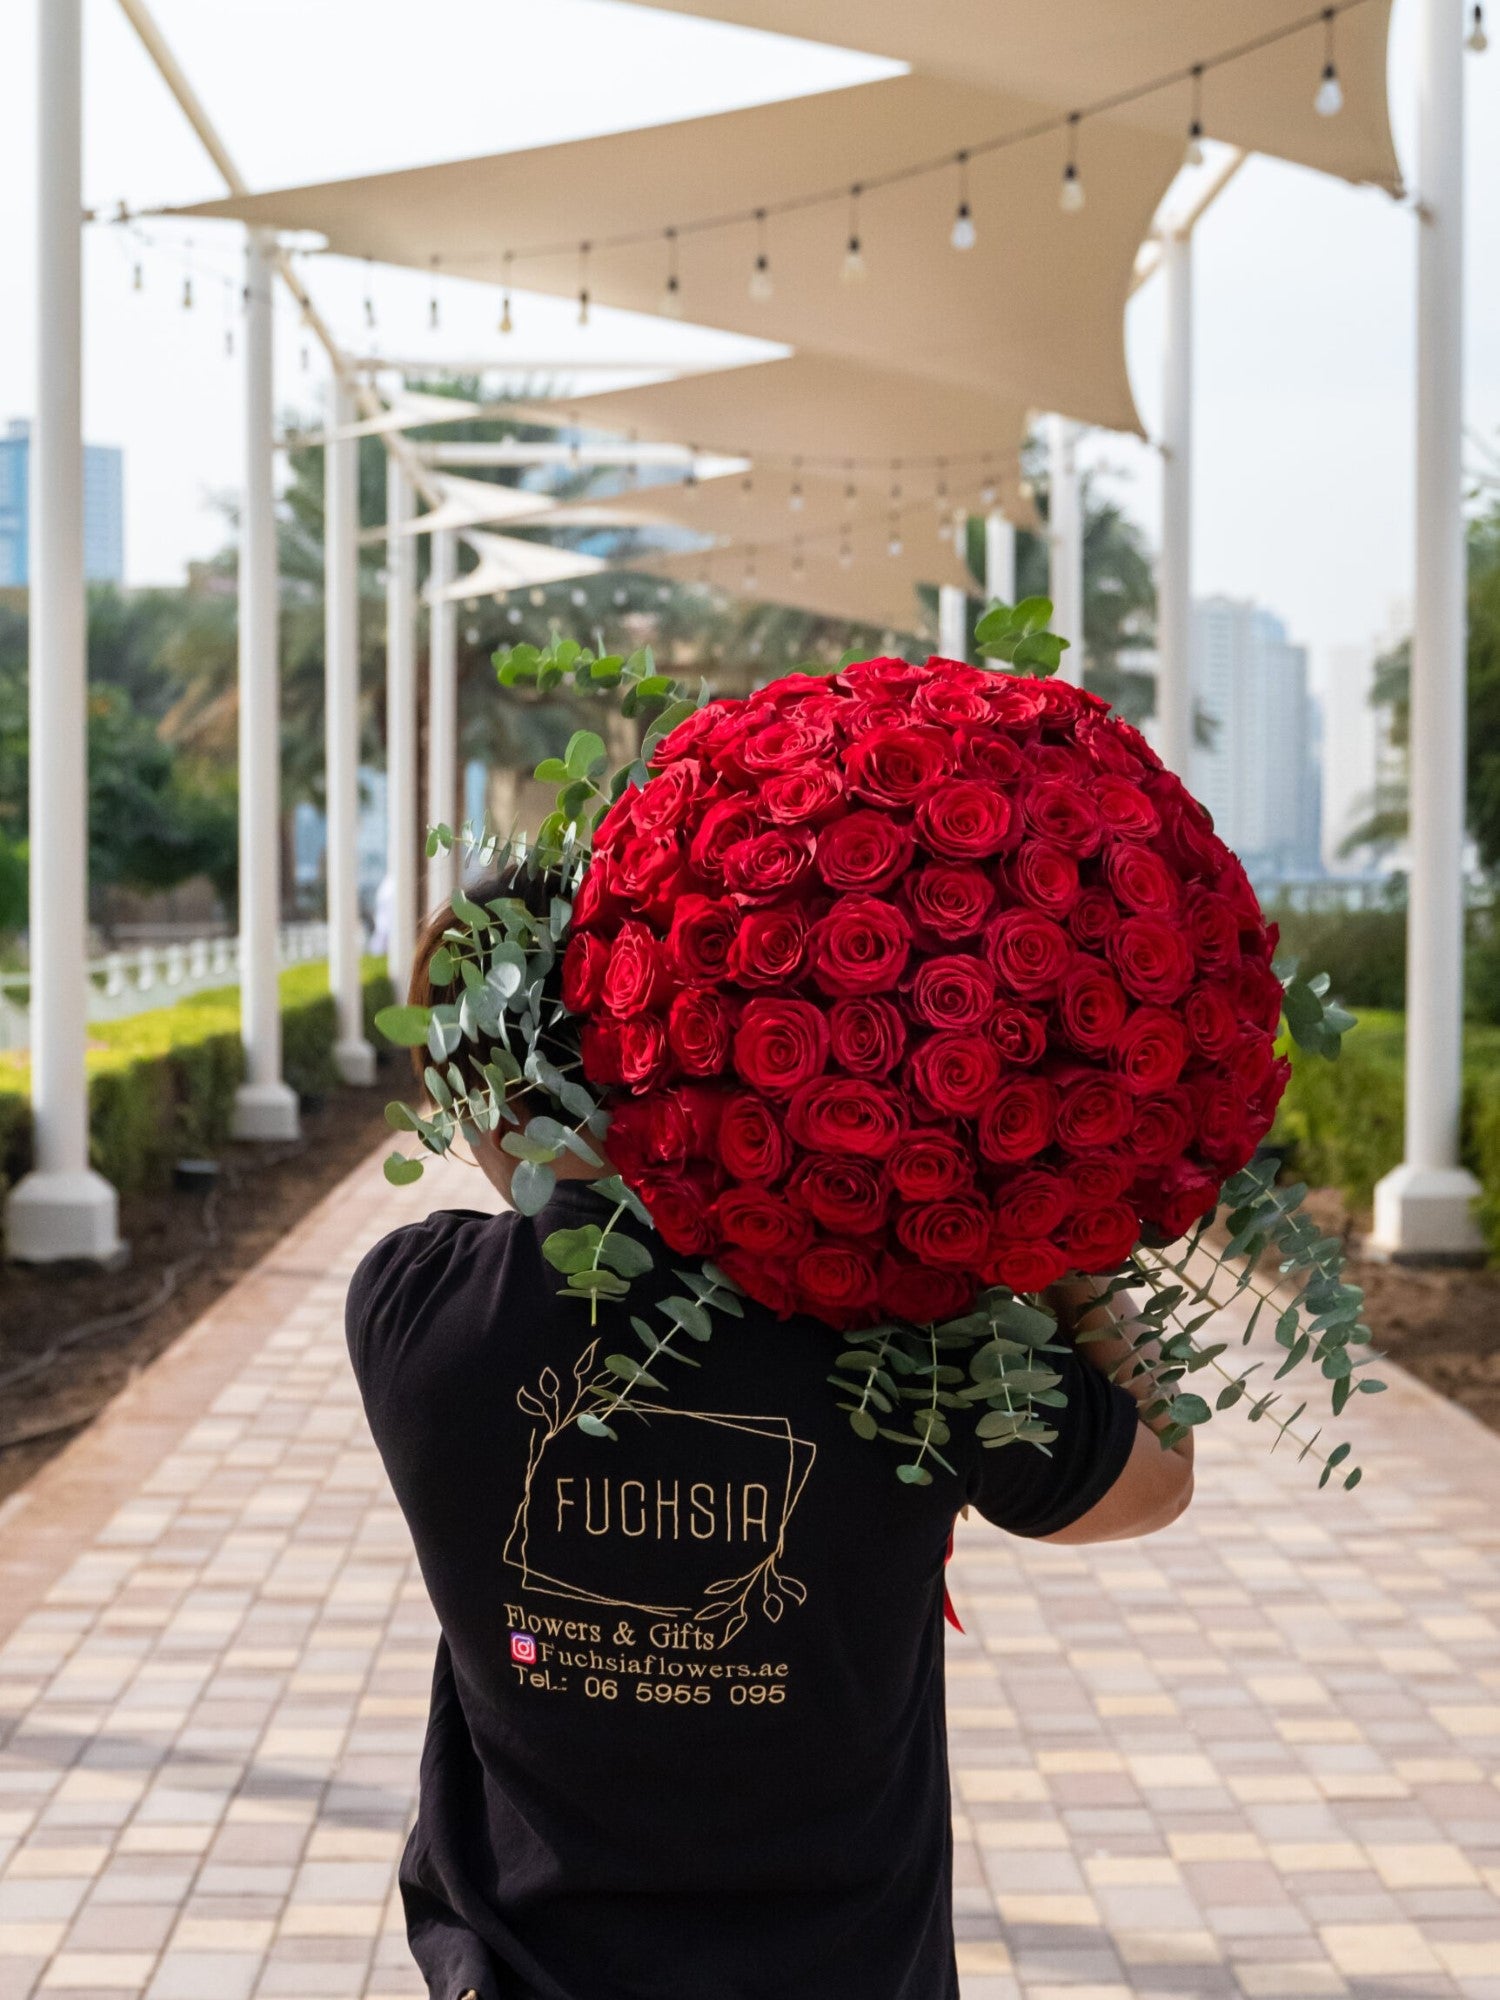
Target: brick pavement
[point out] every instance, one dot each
(1255, 1756)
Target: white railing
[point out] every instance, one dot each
(147, 975)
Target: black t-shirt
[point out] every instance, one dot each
(687, 1731)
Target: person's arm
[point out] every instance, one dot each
(1156, 1485)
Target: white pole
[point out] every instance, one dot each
(1066, 538)
(1174, 596)
(401, 725)
(352, 1054)
(442, 714)
(952, 622)
(1423, 1208)
(999, 558)
(62, 1208)
(264, 1106)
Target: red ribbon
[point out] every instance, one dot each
(948, 1612)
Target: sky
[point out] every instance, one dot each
(1304, 348)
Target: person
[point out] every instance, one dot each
(686, 1738)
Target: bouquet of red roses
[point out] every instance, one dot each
(897, 993)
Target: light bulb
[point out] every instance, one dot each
(1477, 40)
(797, 563)
(187, 295)
(846, 556)
(306, 358)
(514, 614)
(1193, 157)
(794, 499)
(369, 313)
(752, 581)
(229, 340)
(579, 597)
(987, 494)
(434, 312)
(671, 298)
(852, 269)
(137, 279)
(747, 486)
(621, 599)
(963, 235)
(894, 546)
(1329, 101)
(761, 289)
(1071, 198)
(539, 598)
(507, 324)
(663, 593)
(583, 308)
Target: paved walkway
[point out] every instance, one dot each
(1256, 1756)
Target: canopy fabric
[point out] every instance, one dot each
(468, 503)
(825, 411)
(1073, 53)
(507, 563)
(1033, 314)
(408, 410)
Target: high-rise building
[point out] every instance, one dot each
(103, 509)
(1361, 767)
(1259, 777)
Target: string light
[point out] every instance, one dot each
(579, 596)
(507, 324)
(846, 554)
(1477, 40)
(1193, 157)
(747, 486)
(137, 278)
(963, 235)
(434, 314)
(761, 288)
(894, 543)
(671, 297)
(187, 293)
(306, 358)
(514, 615)
(1071, 198)
(583, 284)
(369, 297)
(750, 580)
(664, 593)
(1329, 101)
(795, 500)
(987, 493)
(539, 598)
(798, 565)
(853, 268)
(622, 598)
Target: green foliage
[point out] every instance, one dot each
(13, 883)
(1362, 951)
(1017, 635)
(162, 1084)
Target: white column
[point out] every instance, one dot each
(999, 558)
(1065, 535)
(1423, 1207)
(402, 837)
(442, 714)
(264, 1105)
(62, 1208)
(952, 622)
(1174, 593)
(352, 1054)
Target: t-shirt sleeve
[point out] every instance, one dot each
(394, 1290)
(1032, 1492)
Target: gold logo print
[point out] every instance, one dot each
(591, 1506)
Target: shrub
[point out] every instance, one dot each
(1364, 953)
(162, 1084)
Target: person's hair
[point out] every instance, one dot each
(521, 883)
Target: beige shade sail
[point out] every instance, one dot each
(1076, 53)
(1032, 315)
(468, 503)
(840, 418)
(507, 563)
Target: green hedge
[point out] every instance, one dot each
(162, 1084)
(1345, 1117)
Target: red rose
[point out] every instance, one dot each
(650, 873)
(847, 1196)
(1141, 880)
(953, 991)
(699, 1026)
(679, 1206)
(946, 699)
(916, 1292)
(778, 742)
(769, 947)
(1125, 809)
(1150, 1050)
(721, 827)
(1019, 1119)
(1187, 837)
(765, 1223)
(982, 753)
(1095, 1110)
(1098, 1239)
(868, 1035)
(702, 932)
(864, 850)
(1064, 814)
(837, 1281)
(638, 975)
(952, 1234)
(845, 1114)
(1104, 1176)
(964, 820)
(769, 863)
(884, 671)
(950, 901)
(1152, 959)
(584, 965)
(763, 1279)
(1213, 931)
(1045, 877)
(599, 1050)
(1024, 1267)
(1092, 1006)
(1016, 702)
(1162, 1130)
(1261, 996)
(1212, 1019)
(693, 735)
(667, 798)
(1019, 1035)
(1031, 1204)
(1094, 918)
(597, 904)
(670, 1127)
(930, 1166)
(1226, 1130)
(779, 1044)
(644, 1056)
(752, 1143)
(1177, 1199)
(1029, 952)
(956, 1072)
(860, 946)
(894, 765)
(1115, 747)
(802, 797)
